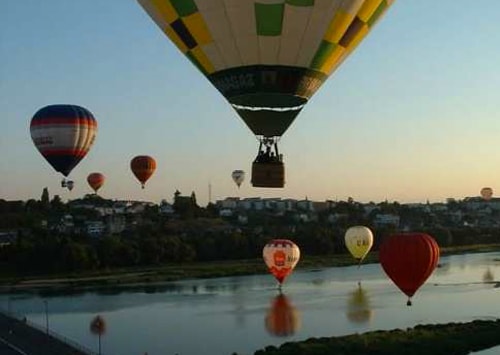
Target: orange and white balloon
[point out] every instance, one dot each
(281, 256)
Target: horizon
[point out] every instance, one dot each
(170, 201)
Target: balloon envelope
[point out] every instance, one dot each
(143, 166)
(359, 241)
(63, 134)
(96, 180)
(98, 325)
(238, 177)
(281, 256)
(486, 193)
(267, 58)
(409, 259)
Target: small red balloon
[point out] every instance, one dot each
(143, 166)
(96, 180)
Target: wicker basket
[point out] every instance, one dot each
(268, 174)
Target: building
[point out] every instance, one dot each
(7, 238)
(385, 220)
(94, 228)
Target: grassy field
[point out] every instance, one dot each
(192, 270)
(434, 339)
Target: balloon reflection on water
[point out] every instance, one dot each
(282, 319)
(358, 306)
(488, 276)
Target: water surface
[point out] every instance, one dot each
(244, 314)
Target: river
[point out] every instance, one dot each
(246, 313)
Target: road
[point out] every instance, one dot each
(6, 349)
(19, 338)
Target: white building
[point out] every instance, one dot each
(305, 205)
(228, 203)
(166, 208)
(115, 224)
(387, 219)
(95, 228)
(226, 212)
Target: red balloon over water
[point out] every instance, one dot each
(409, 259)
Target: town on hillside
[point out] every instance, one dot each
(93, 232)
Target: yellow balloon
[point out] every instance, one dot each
(359, 241)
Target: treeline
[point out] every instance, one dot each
(46, 252)
(194, 234)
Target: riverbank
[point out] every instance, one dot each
(432, 339)
(164, 273)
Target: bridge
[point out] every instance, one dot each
(22, 337)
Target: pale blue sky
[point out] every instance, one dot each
(411, 115)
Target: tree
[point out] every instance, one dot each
(185, 206)
(98, 327)
(193, 199)
(45, 197)
(56, 204)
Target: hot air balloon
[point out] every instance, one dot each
(267, 58)
(63, 134)
(359, 241)
(409, 259)
(238, 177)
(486, 193)
(143, 166)
(70, 184)
(281, 256)
(96, 180)
(358, 306)
(282, 319)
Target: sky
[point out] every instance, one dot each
(412, 115)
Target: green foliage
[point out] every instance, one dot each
(45, 197)
(193, 234)
(452, 338)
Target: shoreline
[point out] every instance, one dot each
(429, 339)
(198, 270)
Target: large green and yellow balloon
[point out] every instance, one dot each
(267, 57)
